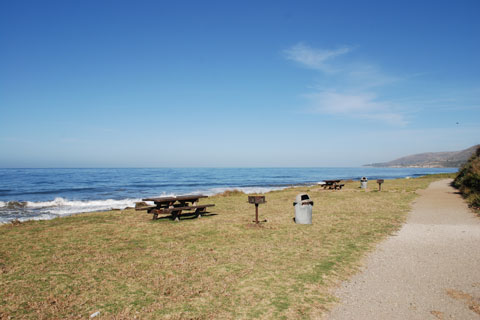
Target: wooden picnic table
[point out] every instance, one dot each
(333, 184)
(176, 205)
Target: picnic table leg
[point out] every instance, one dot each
(176, 214)
(199, 212)
(155, 214)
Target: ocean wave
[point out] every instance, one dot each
(13, 204)
(58, 207)
(61, 206)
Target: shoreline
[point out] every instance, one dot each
(61, 206)
(95, 205)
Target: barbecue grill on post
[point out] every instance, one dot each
(380, 181)
(256, 200)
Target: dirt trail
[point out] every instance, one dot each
(429, 270)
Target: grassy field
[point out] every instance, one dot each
(221, 266)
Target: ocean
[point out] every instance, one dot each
(39, 194)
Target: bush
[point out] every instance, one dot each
(468, 180)
(228, 193)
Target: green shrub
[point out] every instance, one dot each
(468, 180)
(475, 201)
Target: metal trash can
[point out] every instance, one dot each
(363, 183)
(303, 209)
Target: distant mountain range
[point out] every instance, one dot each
(452, 159)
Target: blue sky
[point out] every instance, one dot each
(235, 83)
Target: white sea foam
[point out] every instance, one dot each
(3, 204)
(167, 195)
(61, 206)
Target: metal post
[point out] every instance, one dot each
(256, 213)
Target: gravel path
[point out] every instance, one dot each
(429, 270)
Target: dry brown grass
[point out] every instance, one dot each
(228, 193)
(125, 265)
(471, 302)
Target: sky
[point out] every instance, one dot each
(236, 83)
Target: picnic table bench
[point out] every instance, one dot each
(175, 206)
(333, 184)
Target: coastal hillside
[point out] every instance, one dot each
(453, 159)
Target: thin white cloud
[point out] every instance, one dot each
(337, 103)
(395, 119)
(347, 90)
(313, 58)
(362, 106)
(368, 76)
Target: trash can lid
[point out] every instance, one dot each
(303, 198)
